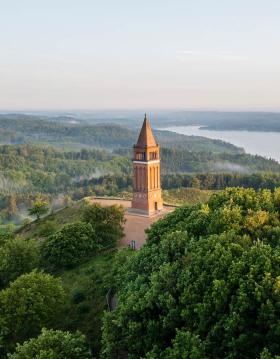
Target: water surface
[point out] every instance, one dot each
(266, 144)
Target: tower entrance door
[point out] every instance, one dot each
(156, 206)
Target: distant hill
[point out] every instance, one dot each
(211, 120)
(68, 133)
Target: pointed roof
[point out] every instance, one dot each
(146, 137)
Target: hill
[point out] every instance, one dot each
(221, 120)
(84, 283)
(69, 134)
(31, 171)
(207, 278)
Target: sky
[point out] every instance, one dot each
(148, 54)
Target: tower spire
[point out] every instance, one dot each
(146, 137)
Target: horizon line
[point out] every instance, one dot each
(155, 109)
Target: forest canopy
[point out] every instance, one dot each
(206, 285)
(32, 173)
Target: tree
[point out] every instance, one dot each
(39, 208)
(69, 246)
(187, 346)
(32, 301)
(266, 355)
(195, 182)
(12, 206)
(6, 234)
(17, 256)
(53, 344)
(107, 222)
(204, 286)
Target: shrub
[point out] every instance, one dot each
(53, 344)
(107, 223)
(32, 301)
(48, 228)
(70, 246)
(17, 256)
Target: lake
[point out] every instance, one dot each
(266, 144)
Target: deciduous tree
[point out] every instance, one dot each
(53, 344)
(32, 301)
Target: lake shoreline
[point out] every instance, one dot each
(262, 143)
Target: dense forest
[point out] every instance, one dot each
(174, 160)
(206, 284)
(59, 176)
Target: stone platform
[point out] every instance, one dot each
(135, 225)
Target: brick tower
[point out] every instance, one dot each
(146, 173)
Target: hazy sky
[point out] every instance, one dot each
(88, 54)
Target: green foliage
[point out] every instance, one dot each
(38, 208)
(177, 160)
(185, 345)
(6, 233)
(218, 181)
(243, 211)
(107, 222)
(17, 256)
(86, 284)
(206, 285)
(32, 301)
(40, 229)
(48, 228)
(266, 355)
(53, 344)
(60, 132)
(70, 246)
(56, 176)
(31, 171)
(186, 195)
(86, 287)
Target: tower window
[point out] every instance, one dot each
(140, 156)
(153, 155)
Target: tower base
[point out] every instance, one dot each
(147, 204)
(143, 213)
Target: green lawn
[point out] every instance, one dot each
(186, 195)
(54, 221)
